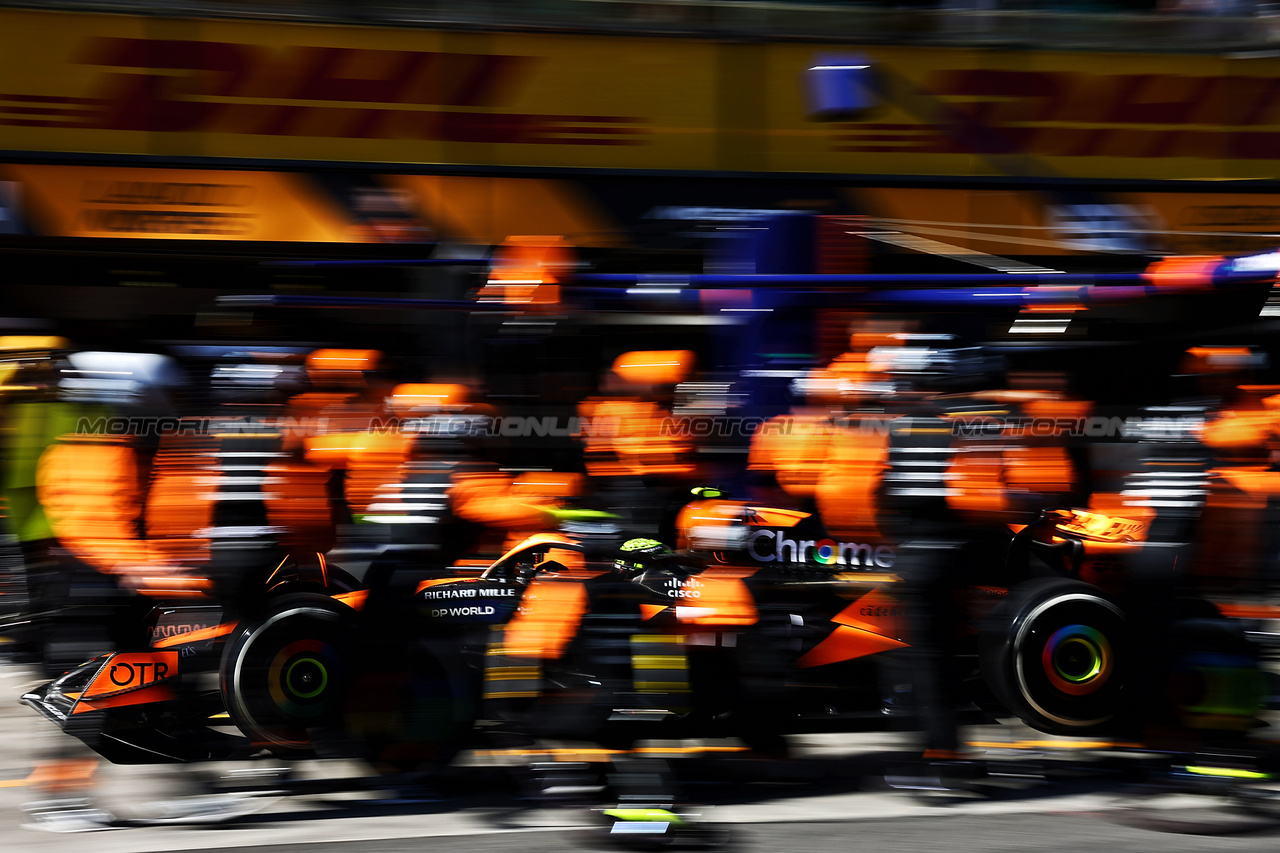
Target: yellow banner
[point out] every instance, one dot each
(126, 85)
(105, 201)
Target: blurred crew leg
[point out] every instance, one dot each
(931, 607)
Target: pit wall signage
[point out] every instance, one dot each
(167, 87)
(208, 204)
(152, 203)
(106, 201)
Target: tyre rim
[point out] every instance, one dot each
(306, 678)
(1077, 660)
(267, 732)
(1021, 673)
(299, 675)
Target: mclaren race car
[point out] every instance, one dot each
(777, 628)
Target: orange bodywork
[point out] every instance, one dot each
(876, 611)
(773, 517)
(847, 643)
(145, 696)
(434, 582)
(355, 600)
(196, 636)
(134, 678)
(648, 611)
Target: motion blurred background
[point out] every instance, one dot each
(393, 286)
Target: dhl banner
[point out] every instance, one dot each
(163, 87)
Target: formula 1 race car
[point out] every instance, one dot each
(395, 671)
(779, 630)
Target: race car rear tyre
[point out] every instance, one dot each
(1056, 653)
(285, 674)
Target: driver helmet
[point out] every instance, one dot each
(636, 555)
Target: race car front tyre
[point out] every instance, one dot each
(1056, 653)
(285, 674)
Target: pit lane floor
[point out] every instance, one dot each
(831, 796)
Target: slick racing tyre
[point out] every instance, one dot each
(1055, 653)
(285, 674)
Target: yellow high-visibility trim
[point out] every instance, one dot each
(513, 673)
(1228, 772)
(512, 694)
(660, 662)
